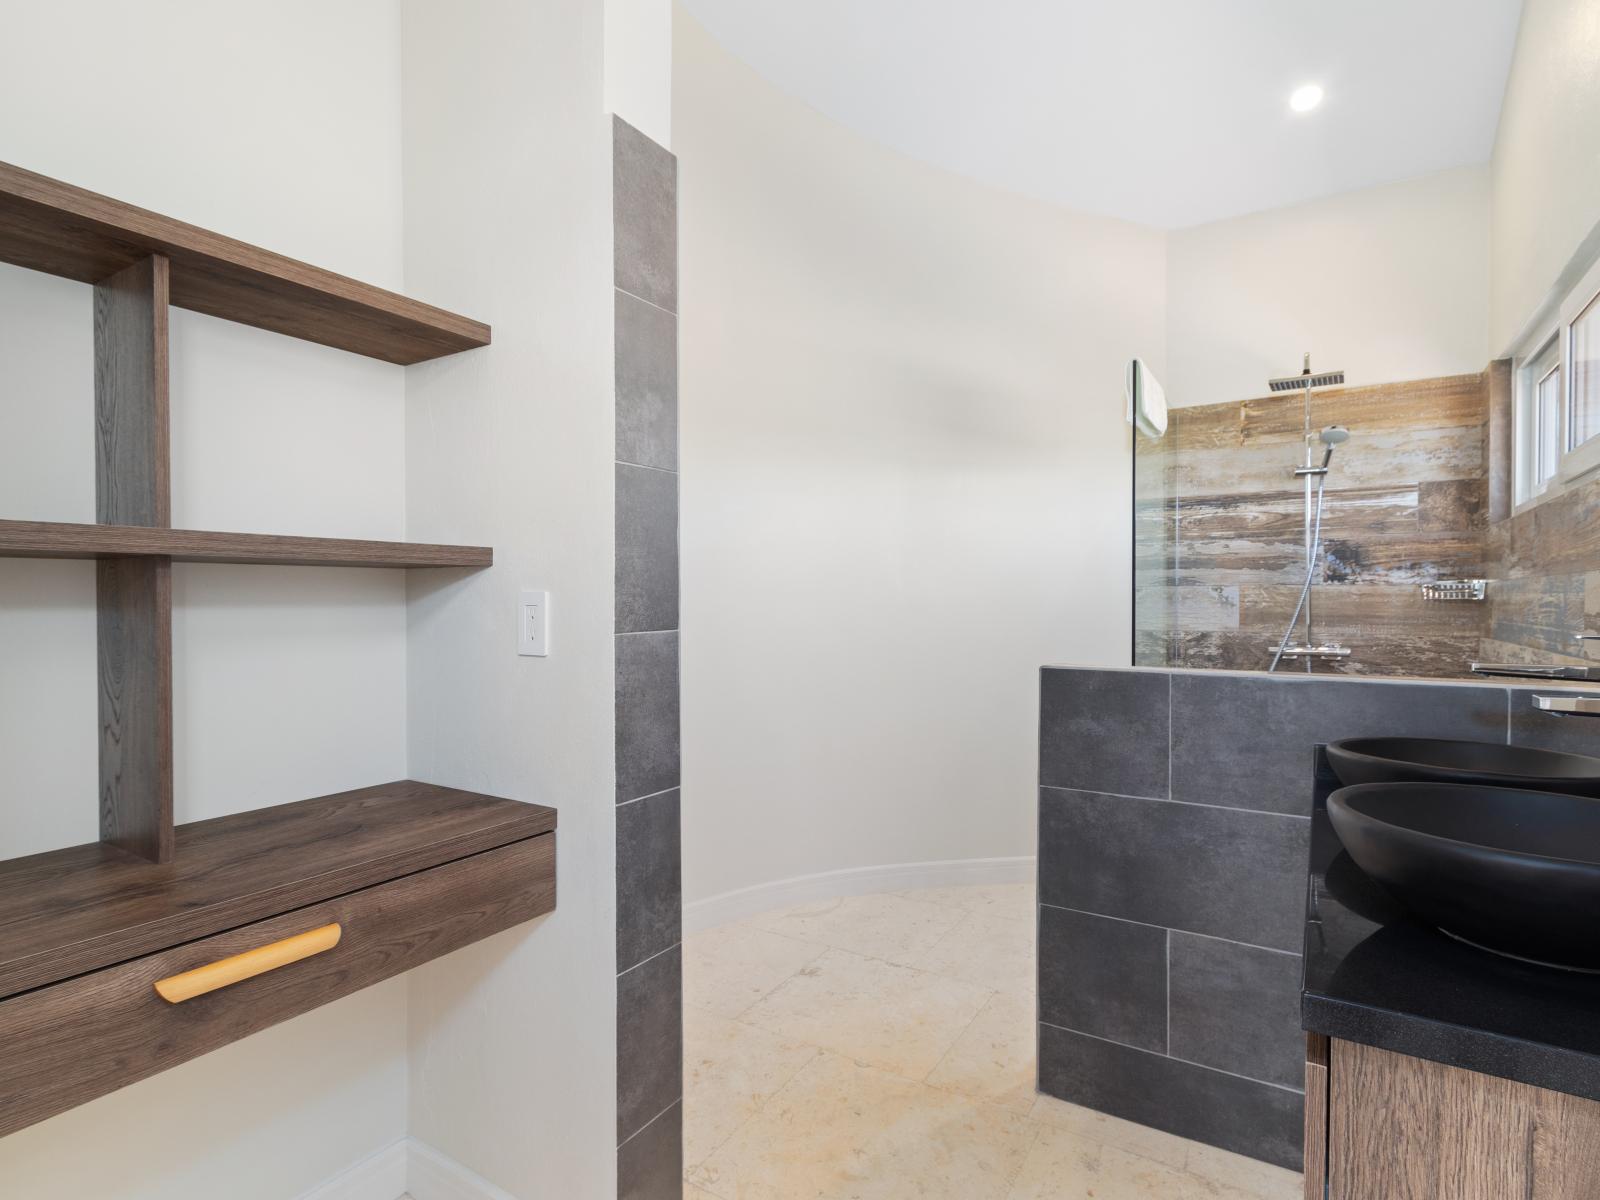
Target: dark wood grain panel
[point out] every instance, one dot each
(132, 422)
(133, 600)
(71, 1042)
(70, 911)
(132, 417)
(54, 539)
(1403, 1128)
(51, 226)
(1316, 1117)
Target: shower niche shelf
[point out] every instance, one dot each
(385, 877)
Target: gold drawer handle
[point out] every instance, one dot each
(238, 967)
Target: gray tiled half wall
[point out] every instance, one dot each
(1103, 977)
(1166, 1093)
(1174, 815)
(648, 854)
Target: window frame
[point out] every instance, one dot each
(1532, 364)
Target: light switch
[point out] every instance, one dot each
(533, 624)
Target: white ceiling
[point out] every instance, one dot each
(1166, 112)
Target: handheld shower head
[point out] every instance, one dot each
(1333, 435)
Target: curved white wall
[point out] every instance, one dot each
(905, 484)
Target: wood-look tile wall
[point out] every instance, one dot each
(1219, 516)
(1545, 581)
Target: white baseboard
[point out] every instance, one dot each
(380, 1176)
(856, 881)
(432, 1176)
(407, 1168)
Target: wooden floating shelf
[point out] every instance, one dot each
(67, 912)
(59, 229)
(55, 539)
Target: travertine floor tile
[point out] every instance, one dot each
(1060, 1166)
(1250, 1176)
(882, 926)
(843, 1131)
(1015, 900)
(811, 1095)
(729, 1070)
(1063, 1166)
(994, 952)
(1098, 1127)
(726, 970)
(993, 1059)
(893, 1017)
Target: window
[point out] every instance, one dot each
(1585, 355)
(1539, 436)
(1558, 396)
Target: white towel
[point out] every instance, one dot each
(1147, 400)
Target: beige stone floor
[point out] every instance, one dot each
(882, 1046)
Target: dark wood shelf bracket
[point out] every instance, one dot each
(134, 595)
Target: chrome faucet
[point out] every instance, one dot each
(1521, 671)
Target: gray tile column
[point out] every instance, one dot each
(1173, 843)
(649, 893)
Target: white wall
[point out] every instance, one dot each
(508, 218)
(1546, 161)
(905, 482)
(638, 66)
(278, 123)
(1388, 283)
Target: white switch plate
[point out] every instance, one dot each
(533, 624)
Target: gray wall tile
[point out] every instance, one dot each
(649, 1040)
(647, 549)
(1218, 871)
(1194, 1102)
(1104, 977)
(1104, 731)
(649, 878)
(1237, 1008)
(1542, 731)
(644, 213)
(1246, 741)
(646, 384)
(647, 714)
(650, 1164)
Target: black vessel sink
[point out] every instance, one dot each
(1436, 760)
(1515, 872)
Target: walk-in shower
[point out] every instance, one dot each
(1315, 477)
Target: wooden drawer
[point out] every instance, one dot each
(65, 1044)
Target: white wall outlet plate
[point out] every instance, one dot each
(533, 624)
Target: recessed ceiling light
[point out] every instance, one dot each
(1304, 99)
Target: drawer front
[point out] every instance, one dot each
(63, 1045)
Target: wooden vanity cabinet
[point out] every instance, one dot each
(1387, 1126)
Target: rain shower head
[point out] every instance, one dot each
(1334, 435)
(1294, 383)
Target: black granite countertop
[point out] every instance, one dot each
(1375, 975)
